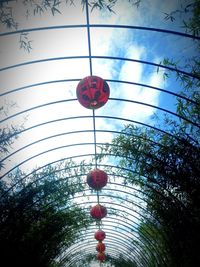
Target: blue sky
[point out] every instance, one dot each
(135, 44)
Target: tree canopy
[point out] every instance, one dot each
(167, 166)
(38, 218)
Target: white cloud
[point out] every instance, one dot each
(132, 71)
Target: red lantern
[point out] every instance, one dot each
(92, 92)
(101, 256)
(97, 179)
(100, 235)
(98, 212)
(100, 247)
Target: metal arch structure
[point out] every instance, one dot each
(115, 99)
(134, 192)
(111, 183)
(114, 237)
(71, 118)
(112, 254)
(126, 225)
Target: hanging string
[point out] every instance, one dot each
(88, 34)
(95, 141)
(93, 111)
(90, 62)
(98, 222)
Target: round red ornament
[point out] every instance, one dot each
(100, 247)
(98, 212)
(97, 179)
(92, 92)
(100, 235)
(101, 256)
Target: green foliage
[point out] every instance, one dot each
(167, 168)
(191, 25)
(156, 242)
(25, 43)
(6, 15)
(33, 7)
(189, 105)
(7, 137)
(38, 218)
(105, 4)
(171, 166)
(40, 7)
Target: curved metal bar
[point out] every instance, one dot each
(112, 247)
(101, 117)
(71, 177)
(42, 60)
(110, 166)
(154, 88)
(108, 80)
(116, 196)
(115, 236)
(123, 206)
(73, 132)
(44, 29)
(119, 197)
(124, 224)
(78, 117)
(156, 107)
(80, 196)
(127, 170)
(82, 248)
(144, 258)
(50, 150)
(122, 243)
(106, 195)
(129, 228)
(44, 152)
(113, 254)
(115, 99)
(144, 29)
(102, 26)
(53, 136)
(148, 63)
(146, 218)
(76, 176)
(112, 235)
(128, 193)
(101, 57)
(89, 251)
(56, 161)
(38, 84)
(39, 106)
(66, 146)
